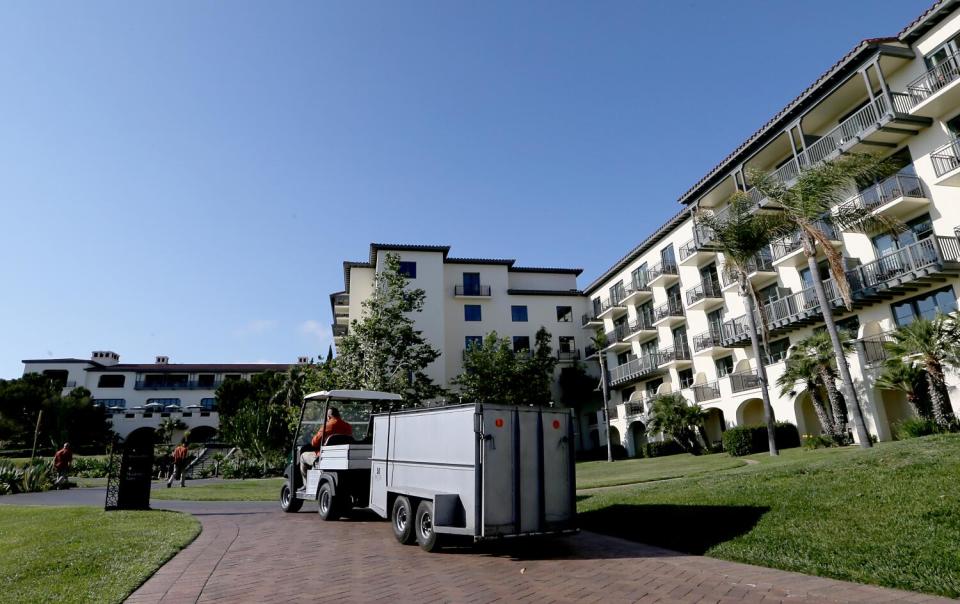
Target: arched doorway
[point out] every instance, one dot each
(593, 439)
(750, 413)
(714, 425)
(202, 434)
(807, 420)
(615, 436)
(145, 436)
(895, 407)
(638, 437)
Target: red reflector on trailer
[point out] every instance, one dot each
(498, 422)
(556, 424)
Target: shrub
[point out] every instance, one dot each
(817, 441)
(744, 440)
(90, 467)
(662, 448)
(914, 427)
(36, 475)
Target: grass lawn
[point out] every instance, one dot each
(250, 489)
(592, 474)
(22, 461)
(887, 516)
(81, 554)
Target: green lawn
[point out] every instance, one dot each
(592, 474)
(260, 489)
(888, 516)
(81, 554)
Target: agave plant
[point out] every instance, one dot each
(37, 477)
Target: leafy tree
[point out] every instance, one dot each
(167, 427)
(931, 345)
(253, 417)
(816, 195)
(493, 372)
(741, 234)
(908, 378)
(72, 417)
(577, 386)
(382, 350)
(683, 422)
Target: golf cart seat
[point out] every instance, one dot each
(338, 439)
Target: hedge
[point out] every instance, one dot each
(744, 440)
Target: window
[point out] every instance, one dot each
(567, 344)
(208, 404)
(917, 229)
(645, 310)
(639, 276)
(408, 269)
(667, 257)
(110, 380)
(778, 351)
(518, 314)
(206, 380)
(680, 339)
(521, 343)
(57, 375)
(650, 388)
(622, 358)
(596, 306)
(626, 393)
(715, 321)
(471, 342)
(471, 284)
(685, 377)
(471, 312)
(926, 306)
(953, 126)
(564, 314)
(724, 366)
(649, 349)
(617, 292)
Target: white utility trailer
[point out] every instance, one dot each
(482, 471)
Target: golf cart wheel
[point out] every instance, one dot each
(401, 517)
(288, 502)
(428, 539)
(327, 503)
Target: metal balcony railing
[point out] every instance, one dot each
(783, 175)
(184, 385)
(703, 290)
(672, 308)
(935, 79)
(849, 129)
(874, 347)
(898, 185)
(793, 242)
(707, 339)
(608, 303)
(745, 380)
(589, 350)
(588, 318)
(946, 158)
(643, 322)
(471, 290)
(341, 300)
(706, 392)
(662, 269)
(619, 334)
(339, 330)
(762, 262)
(568, 355)
(635, 369)
(688, 249)
(632, 409)
(674, 353)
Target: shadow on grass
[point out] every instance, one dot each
(691, 529)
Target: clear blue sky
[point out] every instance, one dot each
(186, 178)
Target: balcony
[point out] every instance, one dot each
(698, 249)
(568, 356)
(341, 300)
(704, 296)
(760, 272)
(743, 381)
(706, 392)
(635, 369)
(642, 329)
(611, 308)
(339, 330)
(677, 357)
(471, 291)
(936, 92)
(788, 251)
(341, 318)
(708, 343)
(897, 196)
(784, 175)
(874, 348)
(663, 275)
(670, 313)
(946, 163)
(184, 385)
(590, 320)
(617, 339)
(637, 293)
(633, 409)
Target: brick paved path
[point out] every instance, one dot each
(254, 553)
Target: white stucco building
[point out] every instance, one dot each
(140, 395)
(675, 321)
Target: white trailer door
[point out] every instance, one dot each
(500, 504)
(559, 491)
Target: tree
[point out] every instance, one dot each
(931, 345)
(812, 360)
(383, 351)
(908, 378)
(811, 204)
(493, 372)
(740, 235)
(73, 417)
(800, 368)
(253, 417)
(576, 386)
(672, 415)
(600, 342)
(167, 427)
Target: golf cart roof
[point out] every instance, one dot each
(354, 395)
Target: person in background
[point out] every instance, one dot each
(333, 426)
(61, 463)
(180, 456)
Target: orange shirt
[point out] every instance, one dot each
(62, 459)
(334, 425)
(180, 454)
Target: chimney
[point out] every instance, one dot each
(161, 360)
(105, 357)
(303, 360)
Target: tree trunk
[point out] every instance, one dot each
(849, 392)
(826, 422)
(837, 424)
(912, 403)
(768, 416)
(934, 380)
(606, 410)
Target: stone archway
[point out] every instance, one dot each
(615, 436)
(714, 425)
(202, 434)
(141, 436)
(750, 412)
(807, 420)
(895, 407)
(637, 435)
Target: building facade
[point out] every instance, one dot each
(467, 298)
(673, 316)
(139, 396)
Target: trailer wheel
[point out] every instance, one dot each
(401, 517)
(328, 505)
(288, 502)
(428, 539)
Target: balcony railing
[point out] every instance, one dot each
(635, 369)
(662, 269)
(791, 243)
(608, 303)
(706, 392)
(762, 262)
(341, 300)
(339, 331)
(568, 355)
(643, 322)
(946, 158)
(185, 385)
(589, 350)
(705, 340)
(936, 79)
(674, 353)
(673, 308)
(874, 347)
(898, 185)
(745, 380)
(588, 318)
(783, 175)
(689, 249)
(619, 334)
(471, 290)
(703, 290)
(846, 131)
(633, 409)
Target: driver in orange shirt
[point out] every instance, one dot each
(334, 425)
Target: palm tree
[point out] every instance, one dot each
(683, 422)
(801, 368)
(931, 345)
(600, 342)
(812, 203)
(904, 377)
(740, 235)
(814, 355)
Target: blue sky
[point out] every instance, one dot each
(186, 178)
